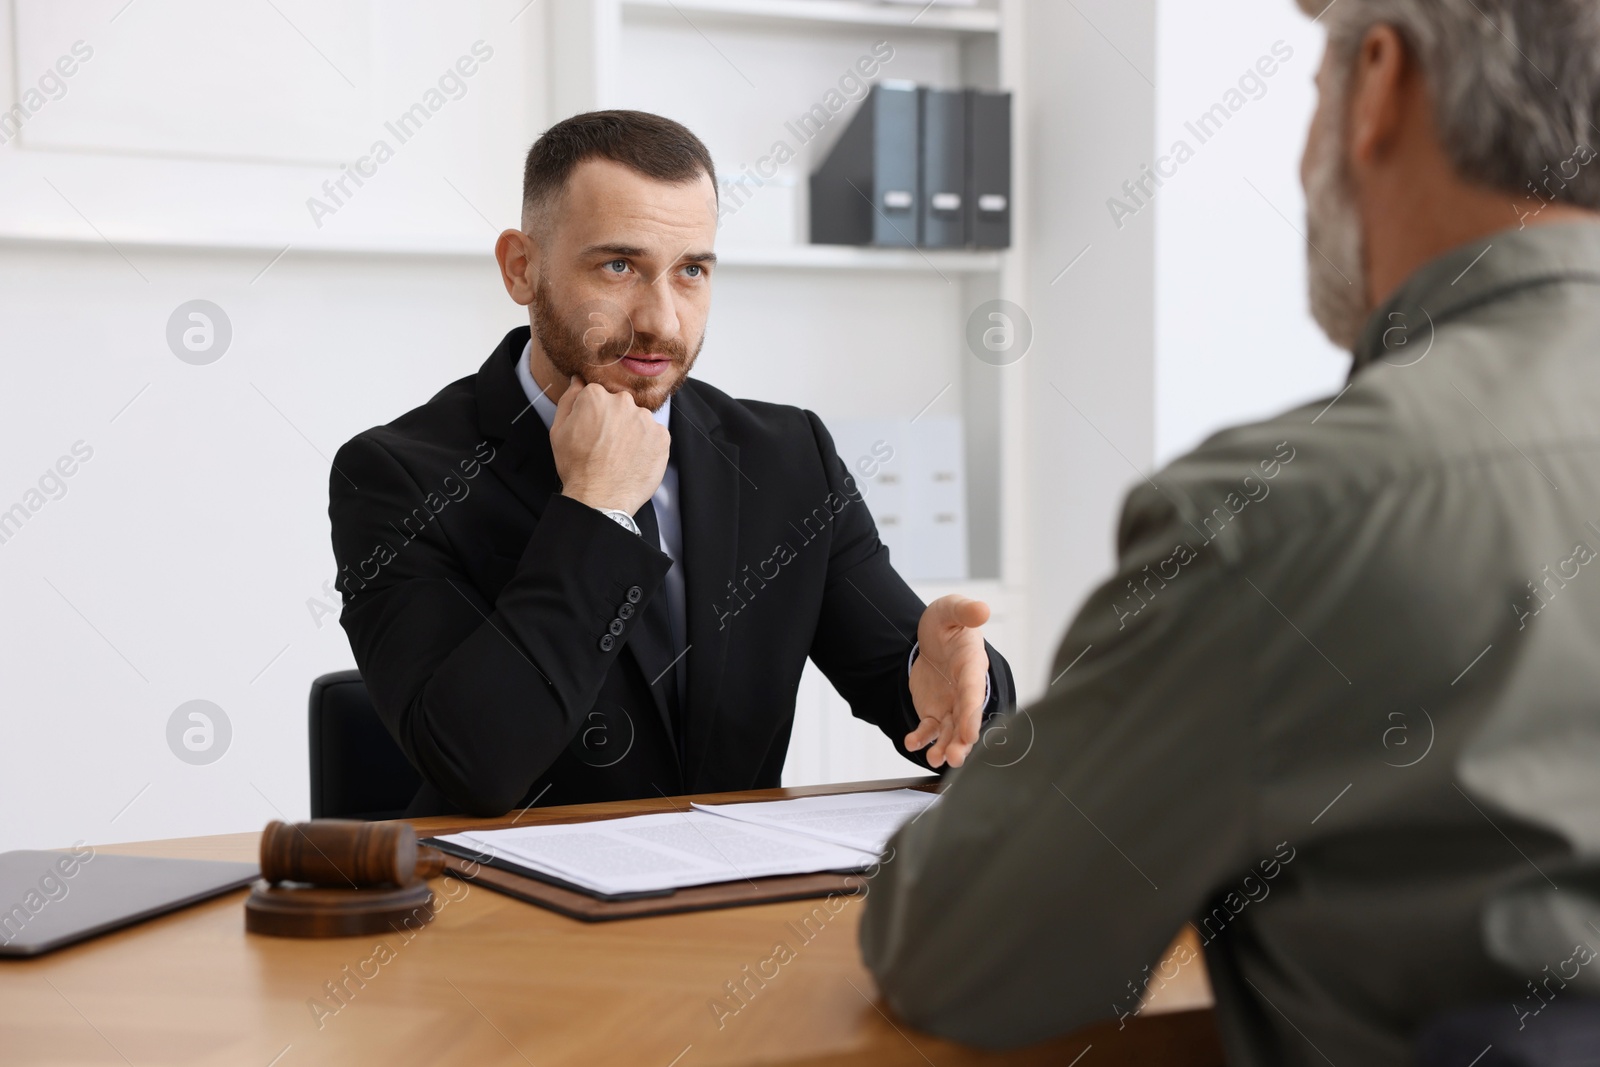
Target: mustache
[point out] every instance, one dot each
(613, 350)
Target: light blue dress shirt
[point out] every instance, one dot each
(667, 503)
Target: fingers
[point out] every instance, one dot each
(949, 614)
(959, 718)
(971, 613)
(933, 725)
(968, 723)
(971, 682)
(568, 399)
(958, 610)
(963, 726)
(927, 730)
(935, 752)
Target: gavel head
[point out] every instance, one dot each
(340, 853)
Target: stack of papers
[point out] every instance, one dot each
(709, 843)
(862, 821)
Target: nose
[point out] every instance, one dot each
(655, 310)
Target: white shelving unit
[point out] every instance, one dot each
(958, 19)
(738, 71)
(877, 332)
(842, 257)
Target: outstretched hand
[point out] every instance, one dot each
(948, 679)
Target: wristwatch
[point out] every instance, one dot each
(622, 519)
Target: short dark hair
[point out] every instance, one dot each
(654, 146)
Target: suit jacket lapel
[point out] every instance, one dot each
(524, 461)
(709, 482)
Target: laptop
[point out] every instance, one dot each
(52, 899)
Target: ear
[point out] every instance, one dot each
(1380, 94)
(518, 255)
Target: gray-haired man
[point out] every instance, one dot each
(1340, 708)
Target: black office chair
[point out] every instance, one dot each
(357, 770)
(1565, 1033)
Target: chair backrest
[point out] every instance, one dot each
(357, 770)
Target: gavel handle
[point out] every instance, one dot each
(430, 862)
(346, 853)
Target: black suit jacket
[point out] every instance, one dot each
(480, 603)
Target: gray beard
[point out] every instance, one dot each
(1336, 275)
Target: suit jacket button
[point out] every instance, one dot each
(607, 643)
(615, 627)
(635, 594)
(625, 612)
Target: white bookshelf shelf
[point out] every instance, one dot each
(474, 246)
(846, 257)
(192, 239)
(839, 12)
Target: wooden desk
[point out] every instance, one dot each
(493, 981)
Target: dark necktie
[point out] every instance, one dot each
(652, 636)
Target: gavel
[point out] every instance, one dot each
(346, 854)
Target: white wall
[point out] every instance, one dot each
(1183, 317)
(180, 562)
(1234, 338)
(186, 558)
(1091, 368)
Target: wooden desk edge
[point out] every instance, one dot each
(243, 845)
(1179, 1031)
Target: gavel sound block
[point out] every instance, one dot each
(340, 878)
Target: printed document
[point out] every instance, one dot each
(863, 821)
(710, 843)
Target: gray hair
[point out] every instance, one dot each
(1515, 83)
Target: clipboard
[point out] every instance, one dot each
(548, 891)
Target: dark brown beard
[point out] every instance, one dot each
(602, 336)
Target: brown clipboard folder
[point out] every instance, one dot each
(547, 891)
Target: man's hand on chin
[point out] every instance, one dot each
(949, 679)
(609, 451)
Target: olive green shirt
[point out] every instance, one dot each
(1338, 708)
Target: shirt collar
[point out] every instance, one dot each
(547, 407)
(1477, 273)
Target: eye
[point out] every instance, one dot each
(695, 270)
(617, 266)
